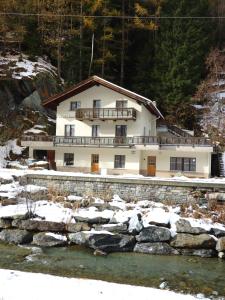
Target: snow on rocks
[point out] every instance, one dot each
(49, 286)
(93, 216)
(10, 146)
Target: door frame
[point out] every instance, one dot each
(151, 165)
(94, 163)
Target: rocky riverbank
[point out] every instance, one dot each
(48, 218)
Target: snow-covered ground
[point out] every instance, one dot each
(15, 285)
(5, 150)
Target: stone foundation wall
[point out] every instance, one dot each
(127, 189)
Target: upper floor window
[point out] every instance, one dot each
(74, 105)
(95, 130)
(69, 130)
(121, 130)
(121, 104)
(119, 161)
(68, 159)
(186, 164)
(96, 103)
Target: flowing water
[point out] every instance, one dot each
(182, 273)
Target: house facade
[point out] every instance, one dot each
(104, 128)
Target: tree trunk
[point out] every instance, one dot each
(81, 42)
(123, 45)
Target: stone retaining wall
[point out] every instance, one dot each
(127, 188)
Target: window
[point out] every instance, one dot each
(96, 103)
(186, 164)
(74, 105)
(95, 130)
(69, 130)
(121, 130)
(121, 103)
(68, 159)
(119, 161)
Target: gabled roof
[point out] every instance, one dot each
(53, 101)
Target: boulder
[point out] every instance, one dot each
(199, 252)
(9, 201)
(201, 241)
(220, 246)
(184, 226)
(112, 243)
(155, 248)
(36, 225)
(92, 220)
(79, 238)
(16, 236)
(5, 223)
(116, 228)
(154, 234)
(76, 227)
(218, 232)
(48, 239)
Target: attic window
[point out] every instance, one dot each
(74, 105)
(121, 103)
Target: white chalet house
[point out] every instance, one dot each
(104, 128)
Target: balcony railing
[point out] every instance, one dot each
(37, 138)
(106, 114)
(184, 141)
(120, 141)
(105, 141)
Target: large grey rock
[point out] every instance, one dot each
(199, 252)
(201, 241)
(112, 243)
(220, 246)
(47, 239)
(79, 238)
(154, 234)
(116, 228)
(36, 225)
(76, 227)
(16, 236)
(90, 220)
(218, 232)
(184, 226)
(5, 223)
(155, 248)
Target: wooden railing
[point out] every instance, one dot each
(106, 113)
(105, 141)
(199, 141)
(37, 138)
(119, 141)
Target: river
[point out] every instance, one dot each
(182, 273)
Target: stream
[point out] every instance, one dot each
(182, 273)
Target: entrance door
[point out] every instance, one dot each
(94, 163)
(51, 159)
(151, 166)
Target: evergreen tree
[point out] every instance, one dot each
(180, 50)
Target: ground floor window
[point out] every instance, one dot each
(68, 159)
(186, 164)
(119, 161)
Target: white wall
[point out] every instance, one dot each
(107, 128)
(82, 157)
(203, 161)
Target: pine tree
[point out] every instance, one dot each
(180, 51)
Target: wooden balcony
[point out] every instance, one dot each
(119, 141)
(37, 138)
(105, 141)
(184, 141)
(106, 114)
